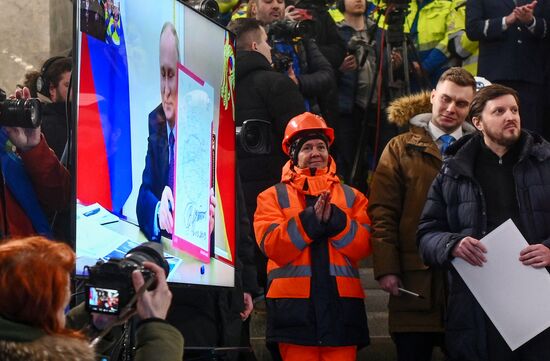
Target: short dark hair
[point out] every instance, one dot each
(459, 76)
(485, 94)
(247, 30)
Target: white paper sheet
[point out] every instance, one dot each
(515, 297)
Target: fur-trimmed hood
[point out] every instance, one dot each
(19, 342)
(47, 348)
(416, 109)
(401, 110)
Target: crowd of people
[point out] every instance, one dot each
(383, 143)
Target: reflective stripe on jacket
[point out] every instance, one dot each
(285, 228)
(467, 50)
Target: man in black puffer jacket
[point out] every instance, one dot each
(261, 93)
(499, 173)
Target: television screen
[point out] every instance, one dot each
(155, 137)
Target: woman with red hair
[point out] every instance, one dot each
(35, 291)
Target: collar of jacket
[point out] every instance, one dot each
(321, 181)
(18, 332)
(464, 151)
(421, 138)
(248, 61)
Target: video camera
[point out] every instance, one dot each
(24, 113)
(110, 288)
(395, 20)
(254, 136)
(288, 30)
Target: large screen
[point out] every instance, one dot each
(155, 137)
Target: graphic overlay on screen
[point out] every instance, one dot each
(155, 138)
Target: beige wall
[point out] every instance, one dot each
(30, 32)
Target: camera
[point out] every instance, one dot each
(396, 20)
(280, 61)
(287, 30)
(24, 113)
(358, 47)
(209, 8)
(254, 136)
(110, 288)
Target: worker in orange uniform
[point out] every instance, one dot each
(314, 230)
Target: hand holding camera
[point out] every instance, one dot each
(20, 116)
(155, 303)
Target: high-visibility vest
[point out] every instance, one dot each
(282, 237)
(431, 25)
(466, 49)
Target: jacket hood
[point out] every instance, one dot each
(401, 110)
(249, 61)
(308, 182)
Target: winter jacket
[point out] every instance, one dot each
(20, 342)
(456, 208)
(427, 24)
(155, 339)
(262, 93)
(314, 294)
(54, 126)
(484, 24)
(398, 192)
(52, 185)
(347, 81)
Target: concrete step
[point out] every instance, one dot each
(376, 300)
(367, 278)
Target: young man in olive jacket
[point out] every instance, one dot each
(399, 187)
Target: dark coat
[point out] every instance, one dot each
(262, 93)
(54, 126)
(326, 35)
(456, 208)
(522, 50)
(154, 338)
(155, 173)
(317, 77)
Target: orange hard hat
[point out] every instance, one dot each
(303, 123)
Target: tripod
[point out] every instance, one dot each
(395, 45)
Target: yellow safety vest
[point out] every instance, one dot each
(467, 49)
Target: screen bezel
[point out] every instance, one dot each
(73, 141)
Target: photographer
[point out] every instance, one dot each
(51, 86)
(265, 94)
(34, 292)
(355, 81)
(33, 179)
(309, 69)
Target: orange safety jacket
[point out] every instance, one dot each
(290, 235)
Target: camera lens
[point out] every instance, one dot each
(150, 252)
(25, 113)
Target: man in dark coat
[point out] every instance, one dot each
(501, 172)
(515, 30)
(261, 93)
